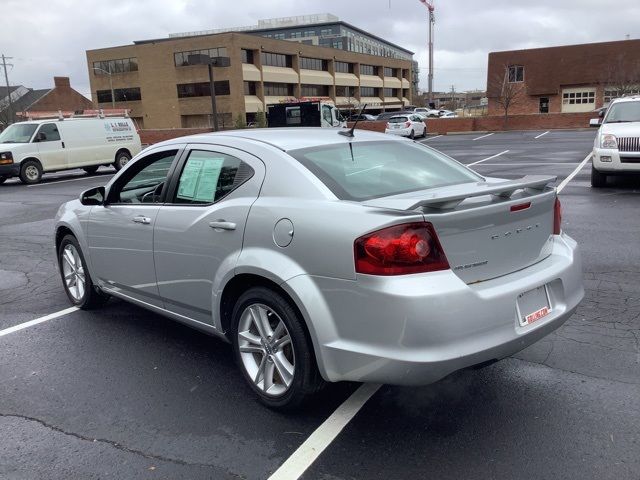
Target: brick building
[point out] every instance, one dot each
(565, 79)
(163, 88)
(27, 100)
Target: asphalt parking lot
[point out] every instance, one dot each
(123, 393)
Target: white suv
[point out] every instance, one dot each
(616, 149)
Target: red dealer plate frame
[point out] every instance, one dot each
(533, 305)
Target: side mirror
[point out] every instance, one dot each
(602, 112)
(594, 122)
(93, 196)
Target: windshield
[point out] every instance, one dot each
(623, 112)
(379, 169)
(18, 133)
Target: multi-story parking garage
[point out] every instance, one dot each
(159, 82)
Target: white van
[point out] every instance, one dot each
(29, 149)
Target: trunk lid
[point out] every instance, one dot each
(487, 229)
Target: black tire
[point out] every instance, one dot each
(307, 380)
(412, 135)
(91, 170)
(3, 179)
(121, 160)
(30, 172)
(598, 179)
(92, 297)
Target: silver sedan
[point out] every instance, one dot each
(323, 257)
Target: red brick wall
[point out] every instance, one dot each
(154, 136)
(496, 123)
(62, 97)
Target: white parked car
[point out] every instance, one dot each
(616, 149)
(29, 149)
(411, 125)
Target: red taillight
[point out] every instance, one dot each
(520, 207)
(407, 124)
(557, 218)
(400, 250)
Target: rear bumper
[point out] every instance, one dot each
(403, 132)
(416, 329)
(621, 162)
(11, 170)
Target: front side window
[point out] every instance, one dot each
(48, 133)
(207, 177)
(144, 181)
(378, 169)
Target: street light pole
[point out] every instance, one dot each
(113, 98)
(214, 107)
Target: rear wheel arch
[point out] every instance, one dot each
(239, 284)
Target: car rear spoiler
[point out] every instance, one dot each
(450, 197)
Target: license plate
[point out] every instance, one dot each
(533, 305)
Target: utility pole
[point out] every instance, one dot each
(454, 100)
(432, 20)
(6, 79)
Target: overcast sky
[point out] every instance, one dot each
(47, 38)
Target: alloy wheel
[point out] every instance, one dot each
(266, 349)
(73, 272)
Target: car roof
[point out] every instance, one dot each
(288, 138)
(633, 98)
(38, 121)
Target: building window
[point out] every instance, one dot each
(121, 95)
(310, 33)
(278, 89)
(516, 73)
(201, 89)
(344, 67)
(313, 64)
(315, 90)
(368, 92)
(278, 36)
(390, 92)
(276, 59)
(247, 56)
(613, 93)
(390, 72)
(121, 65)
(249, 88)
(326, 31)
(296, 34)
(345, 91)
(181, 59)
(575, 98)
(368, 70)
(544, 105)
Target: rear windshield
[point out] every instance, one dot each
(364, 170)
(397, 119)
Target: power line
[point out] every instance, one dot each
(6, 78)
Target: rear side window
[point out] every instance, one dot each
(364, 170)
(209, 176)
(397, 119)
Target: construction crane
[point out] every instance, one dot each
(432, 20)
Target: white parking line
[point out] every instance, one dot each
(488, 158)
(31, 323)
(321, 438)
(431, 138)
(574, 173)
(541, 135)
(69, 180)
(483, 136)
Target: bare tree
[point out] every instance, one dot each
(506, 91)
(623, 77)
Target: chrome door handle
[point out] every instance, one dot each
(222, 225)
(141, 219)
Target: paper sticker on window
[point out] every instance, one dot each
(199, 178)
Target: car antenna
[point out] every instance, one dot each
(349, 133)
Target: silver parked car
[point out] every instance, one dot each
(323, 257)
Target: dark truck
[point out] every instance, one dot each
(304, 114)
